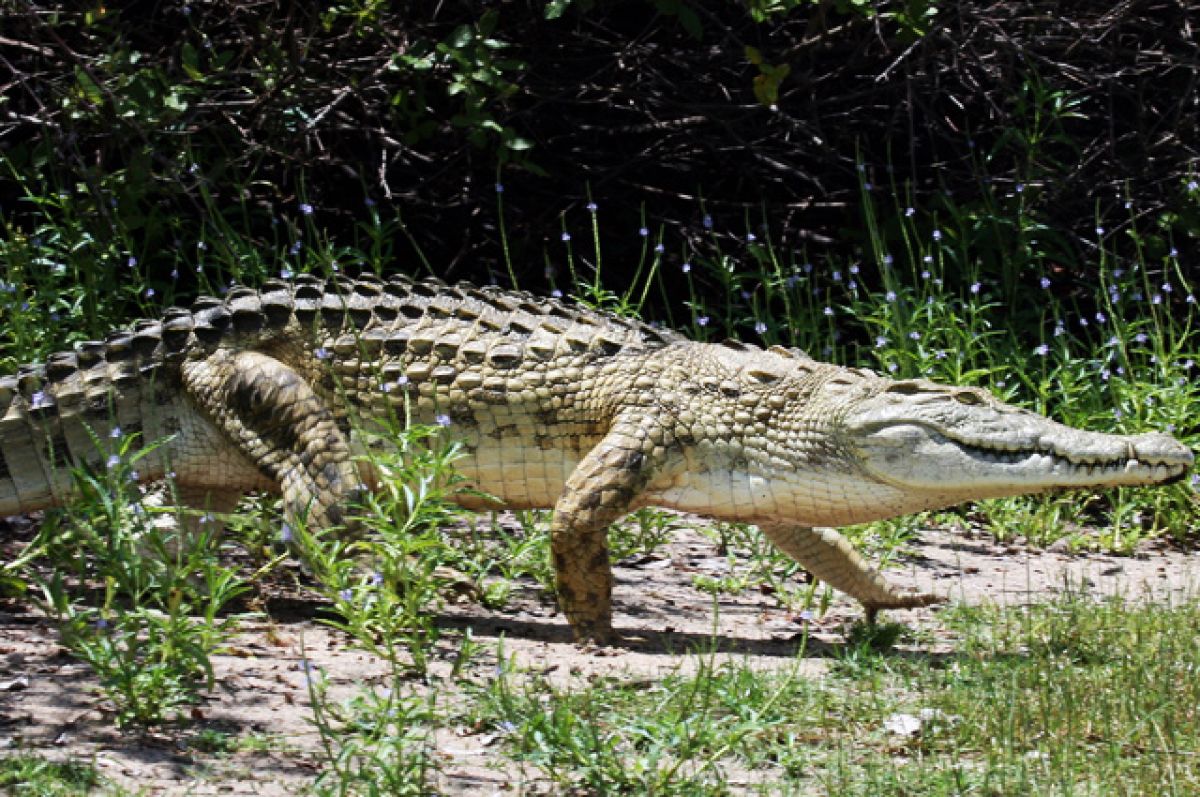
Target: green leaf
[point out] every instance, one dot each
(191, 62)
(487, 23)
(175, 102)
(461, 37)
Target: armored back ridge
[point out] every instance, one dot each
(556, 406)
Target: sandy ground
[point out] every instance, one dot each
(49, 703)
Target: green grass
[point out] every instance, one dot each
(25, 775)
(1069, 698)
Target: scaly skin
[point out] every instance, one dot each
(557, 406)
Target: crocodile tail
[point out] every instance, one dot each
(81, 408)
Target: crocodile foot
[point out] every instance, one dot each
(910, 600)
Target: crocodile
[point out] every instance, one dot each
(556, 406)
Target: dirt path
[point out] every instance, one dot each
(49, 703)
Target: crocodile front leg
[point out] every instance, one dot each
(831, 558)
(274, 418)
(599, 491)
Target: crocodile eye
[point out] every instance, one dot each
(970, 399)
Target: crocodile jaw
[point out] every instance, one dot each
(989, 450)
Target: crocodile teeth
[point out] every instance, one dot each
(1132, 465)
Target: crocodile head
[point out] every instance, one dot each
(919, 436)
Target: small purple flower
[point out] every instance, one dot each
(751, 237)
(1045, 282)
(1099, 231)
(285, 273)
(306, 208)
(100, 624)
(592, 207)
(115, 432)
(499, 188)
(659, 248)
(887, 260)
(376, 579)
(890, 296)
(643, 231)
(760, 327)
(828, 311)
(925, 275)
(566, 236)
(39, 399)
(1019, 188)
(113, 462)
(286, 534)
(442, 420)
(1167, 287)
(322, 353)
(702, 321)
(296, 247)
(940, 354)
(893, 368)
(556, 293)
(837, 276)
(1193, 185)
(975, 288)
(909, 212)
(369, 202)
(915, 335)
(707, 221)
(937, 235)
(1173, 254)
(1042, 350)
(854, 269)
(880, 341)
(346, 594)
(1157, 298)
(685, 268)
(132, 262)
(1141, 337)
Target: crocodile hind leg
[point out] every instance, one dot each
(599, 491)
(831, 558)
(278, 423)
